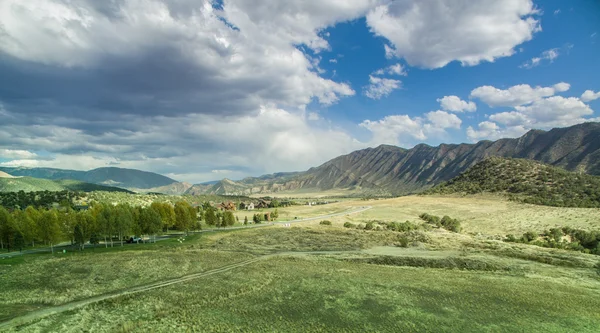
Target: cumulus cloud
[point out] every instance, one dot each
(17, 154)
(165, 57)
(491, 131)
(589, 96)
(396, 69)
(404, 130)
(185, 87)
(455, 104)
(521, 94)
(313, 116)
(548, 55)
(381, 87)
(431, 34)
(200, 144)
(443, 120)
(547, 113)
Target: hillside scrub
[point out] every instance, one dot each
(526, 181)
(562, 238)
(445, 222)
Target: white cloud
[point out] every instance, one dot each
(589, 96)
(555, 111)
(455, 104)
(17, 154)
(381, 87)
(243, 55)
(521, 94)
(313, 116)
(403, 130)
(510, 119)
(221, 171)
(395, 129)
(431, 34)
(274, 140)
(561, 87)
(333, 61)
(443, 120)
(556, 12)
(396, 69)
(546, 113)
(548, 55)
(491, 131)
(65, 161)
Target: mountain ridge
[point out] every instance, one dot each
(110, 176)
(391, 170)
(381, 170)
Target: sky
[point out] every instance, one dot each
(201, 90)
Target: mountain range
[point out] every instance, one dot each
(384, 170)
(393, 170)
(109, 176)
(10, 183)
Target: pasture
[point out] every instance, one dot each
(316, 278)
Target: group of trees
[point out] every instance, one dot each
(22, 199)
(100, 222)
(268, 216)
(562, 238)
(445, 222)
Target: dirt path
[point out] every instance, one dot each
(41, 313)
(35, 315)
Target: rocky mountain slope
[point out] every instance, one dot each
(393, 170)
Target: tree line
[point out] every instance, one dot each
(101, 222)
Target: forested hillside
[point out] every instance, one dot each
(527, 181)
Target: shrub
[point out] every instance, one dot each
(325, 222)
(510, 238)
(403, 241)
(349, 225)
(450, 224)
(369, 225)
(529, 236)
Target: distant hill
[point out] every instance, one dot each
(29, 184)
(391, 170)
(5, 175)
(109, 176)
(528, 181)
(173, 188)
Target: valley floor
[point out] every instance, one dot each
(310, 277)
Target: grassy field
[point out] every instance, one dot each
(316, 278)
(324, 294)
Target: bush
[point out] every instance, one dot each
(529, 236)
(369, 225)
(402, 227)
(450, 224)
(325, 222)
(349, 225)
(403, 241)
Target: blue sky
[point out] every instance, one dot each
(203, 90)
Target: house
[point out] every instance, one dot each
(262, 203)
(226, 206)
(246, 205)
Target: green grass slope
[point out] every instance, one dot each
(527, 181)
(30, 184)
